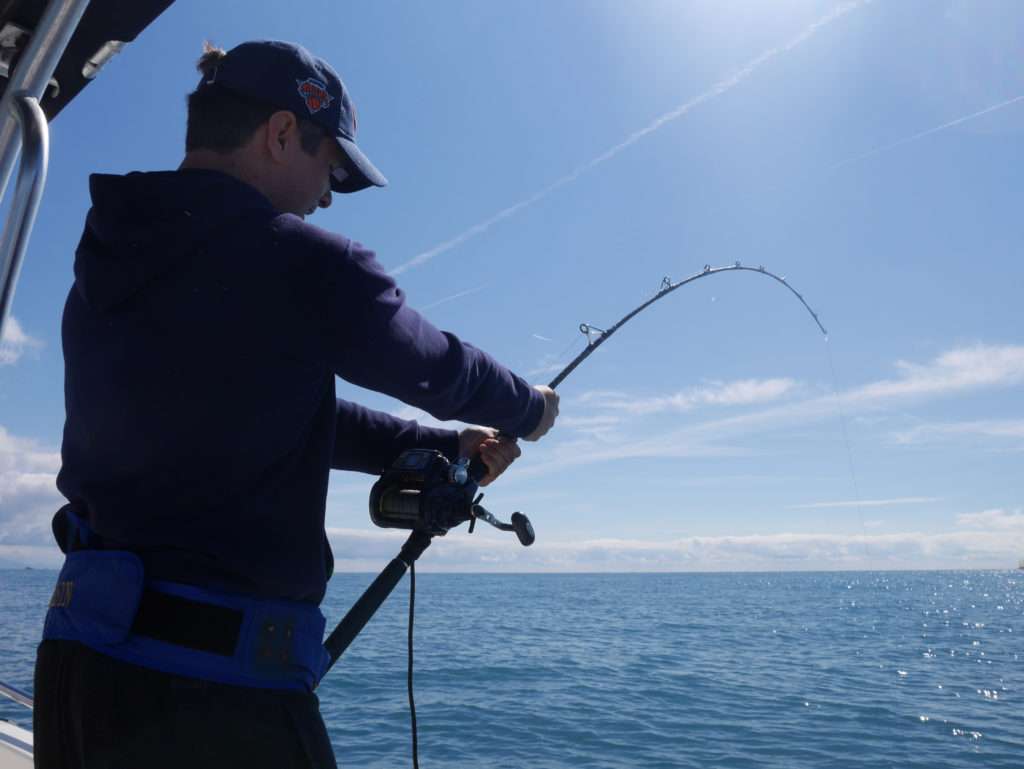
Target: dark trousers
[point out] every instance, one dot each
(95, 712)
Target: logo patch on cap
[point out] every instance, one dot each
(314, 93)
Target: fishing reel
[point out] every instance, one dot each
(425, 492)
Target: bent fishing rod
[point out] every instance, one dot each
(596, 337)
(425, 492)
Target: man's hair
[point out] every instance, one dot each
(222, 120)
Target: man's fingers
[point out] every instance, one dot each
(547, 420)
(497, 455)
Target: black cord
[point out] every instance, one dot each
(412, 703)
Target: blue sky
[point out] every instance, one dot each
(550, 163)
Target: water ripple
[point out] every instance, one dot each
(815, 671)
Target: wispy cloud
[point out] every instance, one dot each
(16, 343)
(549, 364)
(957, 371)
(988, 428)
(453, 297)
(997, 519)
(969, 547)
(991, 539)
(923, 134)
(542, 338)
(867, 503)
(604, 427)
(738, 393)
(960, 369)
(425, 419)
(593, 438)
(715, 91)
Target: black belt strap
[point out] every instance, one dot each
(192, 624)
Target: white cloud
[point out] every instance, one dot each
(996, 519)
(28, 496)
(989, 428)
(16, 343)
(549, 364)
(957, 371)
(601, 427)
(453, 297)
(357, 550)
(867, 503)
(423, 418)
(738, 393)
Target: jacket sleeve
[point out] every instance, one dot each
(377, 341)
(369, 441)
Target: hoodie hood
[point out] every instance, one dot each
(143, 225)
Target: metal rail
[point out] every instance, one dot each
(28, 192)
(29, 79)
(22, 698)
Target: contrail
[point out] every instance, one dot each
(867, 503)
(716, 90)
(922, 134)
(453, 297)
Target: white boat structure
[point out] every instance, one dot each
(49, 51)
(15, 742)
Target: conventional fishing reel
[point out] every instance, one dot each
(425, 492)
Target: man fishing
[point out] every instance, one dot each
(202, 337)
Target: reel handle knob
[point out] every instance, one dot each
(523, 529)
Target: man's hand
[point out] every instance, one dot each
(496, 452)
(550, 412)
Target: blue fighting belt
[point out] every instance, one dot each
(103, 600)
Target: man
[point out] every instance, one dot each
(202, 338)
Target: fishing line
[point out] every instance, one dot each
(596, 337)
(849, 449)
(412, 702)
(425, 492)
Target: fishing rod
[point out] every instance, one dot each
(597, 336)
(427, 493)
(667, 287)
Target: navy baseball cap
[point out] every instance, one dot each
(290, 77)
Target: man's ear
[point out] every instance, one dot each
(282, 130)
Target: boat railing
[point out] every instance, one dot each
(24, 127)
(13, 693)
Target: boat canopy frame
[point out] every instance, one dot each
(49, 51)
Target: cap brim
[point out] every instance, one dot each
(359, 172)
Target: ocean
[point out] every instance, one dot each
(650, 671)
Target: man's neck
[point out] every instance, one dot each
(238, 164)
(208, 160)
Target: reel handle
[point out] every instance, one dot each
(524, 529)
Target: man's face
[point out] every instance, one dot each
(304, 179)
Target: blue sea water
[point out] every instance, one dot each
(650, 671)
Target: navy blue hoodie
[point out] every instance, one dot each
(202, 337)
